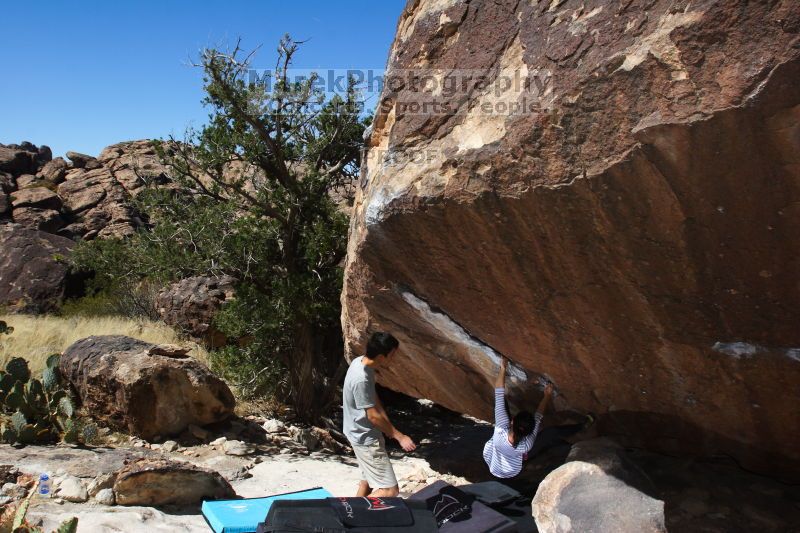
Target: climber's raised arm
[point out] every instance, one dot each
(500, 413)
(500, 382)
(548, 395)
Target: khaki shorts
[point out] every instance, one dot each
(376, 469)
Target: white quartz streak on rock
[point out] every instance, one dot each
(483, 355)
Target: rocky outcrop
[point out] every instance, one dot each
(192, 303)
(33, 270)
(145, 389)
(134, 164)
(154, 482)
(91, 197)
(629, 231)
(591, 493)
(85, 198)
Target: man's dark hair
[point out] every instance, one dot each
(381, 343)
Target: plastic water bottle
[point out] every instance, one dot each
(44, 485)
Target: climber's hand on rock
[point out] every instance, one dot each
(548, 390)
(503, 363)
(406, 443)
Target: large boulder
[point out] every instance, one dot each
(17, 160)
(592, 493)
(8, 183)
(47, 220)
(192, 303)
(145, 389)
(631, 234)
(54, 171)
(80, 160)
(33, 269)
(40, 197)
(154, 482)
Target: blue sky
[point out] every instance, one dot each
(85, 74)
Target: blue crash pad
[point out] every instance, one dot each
(243, 516)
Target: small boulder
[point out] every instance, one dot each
(219, 442)
(199, 433)
(44, 154)
(590, 493)
(191, 305)
(143, 388)
(105, 497)
(72, 489)
(169, 446)
(155, 482)
(304, 437)
(8, 474)
(237, 447)
(26, 181)
(103, 481)
(274, 425)
(14, 491)
(80, 160)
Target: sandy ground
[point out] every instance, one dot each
(276, 474)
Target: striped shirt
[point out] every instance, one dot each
(503, 458)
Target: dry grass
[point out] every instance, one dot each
(36, 337)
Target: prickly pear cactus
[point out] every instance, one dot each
(38, 411)
(18, 369)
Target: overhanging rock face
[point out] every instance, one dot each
(635, 239)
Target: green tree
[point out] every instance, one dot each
(251, 196)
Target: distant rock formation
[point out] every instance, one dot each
(85, 198)
(632, 235)
(191, 304)
(144, 389)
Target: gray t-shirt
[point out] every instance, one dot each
(359, 395)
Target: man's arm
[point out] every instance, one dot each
(378, 417)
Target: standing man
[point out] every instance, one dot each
(365, 419)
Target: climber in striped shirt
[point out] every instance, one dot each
(514, 439)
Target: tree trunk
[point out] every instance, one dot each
(315, 370)
(301, 374)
